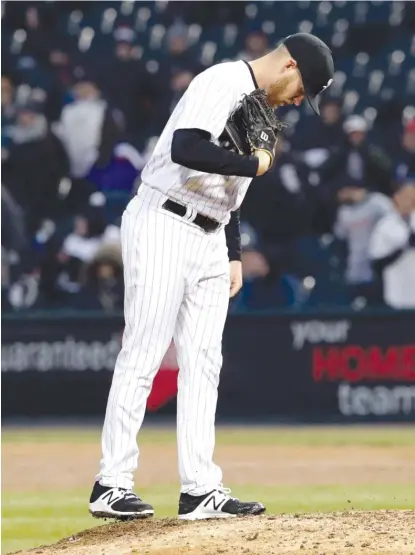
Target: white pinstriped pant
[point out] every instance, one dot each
(176, 285)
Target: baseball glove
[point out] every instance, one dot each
(253, 125)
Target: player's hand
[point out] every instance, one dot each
(264, 161)
(235, 274)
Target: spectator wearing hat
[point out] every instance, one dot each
(262, 289)
(256, 292)
(359, 211)
(180, 56)
(124, 37)
(358, 159)
(177, 69)
(37, 32)
(128, 85)
(61, 63)
(254, 264)
(392, 248)
(102, 285)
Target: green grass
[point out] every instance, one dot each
(31, 519)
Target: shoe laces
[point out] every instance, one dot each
(128, 494)
(225, 491)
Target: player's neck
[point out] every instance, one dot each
(265, 70)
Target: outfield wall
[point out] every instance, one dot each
(294, 367)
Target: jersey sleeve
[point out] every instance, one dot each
(208, 102)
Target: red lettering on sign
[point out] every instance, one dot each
(381, 364)
(354, 363)
(326, 363)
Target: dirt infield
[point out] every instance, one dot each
(351, 533)
(40, 467)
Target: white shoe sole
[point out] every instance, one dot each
(101, 510)
(205, 516)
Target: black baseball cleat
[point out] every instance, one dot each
(216, 504)
(119, 503)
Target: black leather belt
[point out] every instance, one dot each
(207, 224)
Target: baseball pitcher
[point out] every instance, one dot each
(180, 270)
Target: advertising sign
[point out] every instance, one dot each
(351, 367)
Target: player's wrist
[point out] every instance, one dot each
(265, 160)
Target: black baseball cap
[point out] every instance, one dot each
(315, 64)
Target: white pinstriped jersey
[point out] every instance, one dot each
(206, 104)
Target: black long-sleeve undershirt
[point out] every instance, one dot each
(233, 237)
(193, 149)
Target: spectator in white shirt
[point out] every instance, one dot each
(392, 248)
(359, 212)
(88, 128)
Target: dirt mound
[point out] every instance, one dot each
(351, 533)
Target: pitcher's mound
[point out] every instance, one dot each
(351, 533)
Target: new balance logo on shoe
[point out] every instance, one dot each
(216, 500)
(111, 497)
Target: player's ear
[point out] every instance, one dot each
(291, 63)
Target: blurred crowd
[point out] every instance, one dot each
(88, 86)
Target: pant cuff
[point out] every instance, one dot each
(196, 491)
(115, 482)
